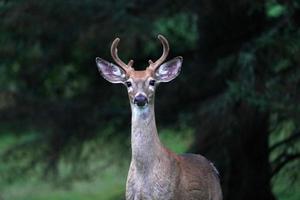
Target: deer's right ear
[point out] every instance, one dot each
(110, 72)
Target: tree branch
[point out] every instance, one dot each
(285, 141)
(287, 158)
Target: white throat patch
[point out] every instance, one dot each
(139, 113)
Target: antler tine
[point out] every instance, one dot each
(166, 49)
(114, 55)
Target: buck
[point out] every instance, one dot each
(155, 172)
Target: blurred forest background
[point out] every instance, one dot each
(64, 130)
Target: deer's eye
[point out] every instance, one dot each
(152, 82)
(128, 83)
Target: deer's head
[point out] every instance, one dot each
(141, 85)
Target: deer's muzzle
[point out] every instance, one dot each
(140, 100)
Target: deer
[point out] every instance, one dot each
(155, 172)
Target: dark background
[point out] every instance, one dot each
(239, 89)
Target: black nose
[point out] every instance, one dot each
(140, 100)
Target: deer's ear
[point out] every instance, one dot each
(110, 72)
(169, 70)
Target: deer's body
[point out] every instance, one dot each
(155, 172)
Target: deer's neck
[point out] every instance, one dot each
(145, 142)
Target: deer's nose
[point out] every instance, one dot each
(140, 100)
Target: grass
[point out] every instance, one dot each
(105, 183)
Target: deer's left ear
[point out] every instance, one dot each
(169, 70)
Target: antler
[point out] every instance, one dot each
(114, 54)
(166, 49)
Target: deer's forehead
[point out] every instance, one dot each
(140, 75)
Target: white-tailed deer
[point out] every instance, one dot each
(155, 172)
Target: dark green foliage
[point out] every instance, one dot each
(239, 87)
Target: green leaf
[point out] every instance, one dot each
(275, 10)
